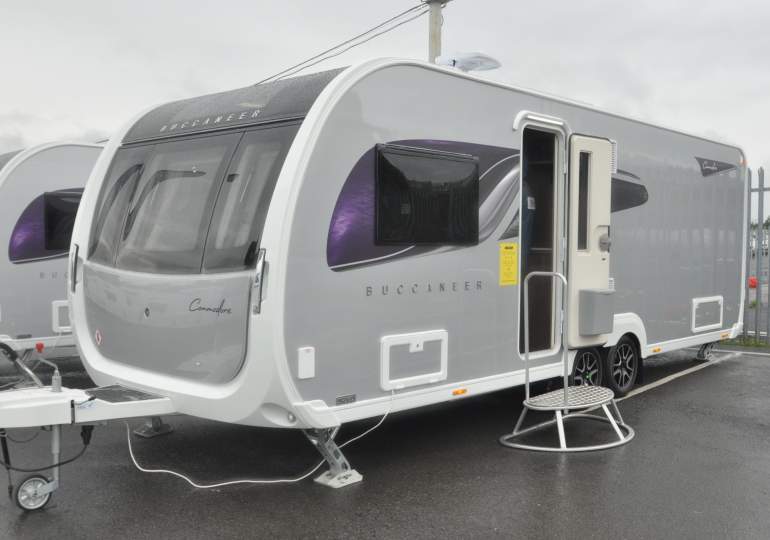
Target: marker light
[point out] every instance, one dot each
(459, 392)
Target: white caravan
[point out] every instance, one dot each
(40, 190)
(332, 247)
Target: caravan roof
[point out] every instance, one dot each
(5, 158)
(281, 100)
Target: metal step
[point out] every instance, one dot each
(575, 397)
(119, 394)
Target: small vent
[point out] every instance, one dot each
(614, 158)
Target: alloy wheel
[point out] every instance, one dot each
(587, 371)
(624, 365)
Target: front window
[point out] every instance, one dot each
(189, 205)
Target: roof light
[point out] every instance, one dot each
(469, 61)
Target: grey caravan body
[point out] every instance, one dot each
(40, 189)
(282, 303)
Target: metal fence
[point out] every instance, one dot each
(756, 316)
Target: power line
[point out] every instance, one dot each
(421, 7)
(357, 44)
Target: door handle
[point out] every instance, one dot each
(605, 241)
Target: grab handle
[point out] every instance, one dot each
(563, 321)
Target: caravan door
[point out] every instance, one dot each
(590, 312)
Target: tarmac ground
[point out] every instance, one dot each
(699, 467)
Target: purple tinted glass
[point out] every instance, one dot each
(350, 241)
(28, 239)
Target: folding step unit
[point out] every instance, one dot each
(569, 398)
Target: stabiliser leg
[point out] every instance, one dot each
(340, 473)
(153, 427)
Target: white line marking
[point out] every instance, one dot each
(744, 352)
(731, 351)
(664, 380)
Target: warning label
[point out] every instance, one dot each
(509, 263)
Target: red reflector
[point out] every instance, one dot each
(39, 347)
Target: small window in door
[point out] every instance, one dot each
(426, 197)
(582, 224)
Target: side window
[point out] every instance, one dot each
(583, 172)
(44, 229)
(425, 197)
(61, 209)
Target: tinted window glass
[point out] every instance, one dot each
(426, 197)
(245, 197)
(115, 195)
(44, 229)
(61, 208)
(170, 209)
(582, 220)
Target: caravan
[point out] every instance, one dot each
(332, 247)
(40, 190)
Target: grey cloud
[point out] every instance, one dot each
(701, 66)
(10, 142)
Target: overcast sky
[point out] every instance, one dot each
(80, 69)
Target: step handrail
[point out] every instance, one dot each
(563, 322)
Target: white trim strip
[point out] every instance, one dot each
(665, 380)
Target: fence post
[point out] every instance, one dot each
(747, 240)
(760, 250)
(761, 174)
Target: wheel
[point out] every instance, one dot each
(27, 494)
(706, 351)
(622, 366)
(588, 368)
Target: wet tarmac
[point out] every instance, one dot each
(699, 467)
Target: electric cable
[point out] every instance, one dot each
(85, 435)
(12, 383)
(20, 441)
(255, 481)
(47, 467)
(286, 72)
(356, 44)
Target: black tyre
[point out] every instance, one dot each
(28, 494)
(706, 352)
(588, 369)
(622, 366)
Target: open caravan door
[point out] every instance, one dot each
(590, 295)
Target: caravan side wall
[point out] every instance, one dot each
(682, 243)
(32, 276)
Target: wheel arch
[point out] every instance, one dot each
(628, 323)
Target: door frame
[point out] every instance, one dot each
(558, 127)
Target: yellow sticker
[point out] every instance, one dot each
(509, 263)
